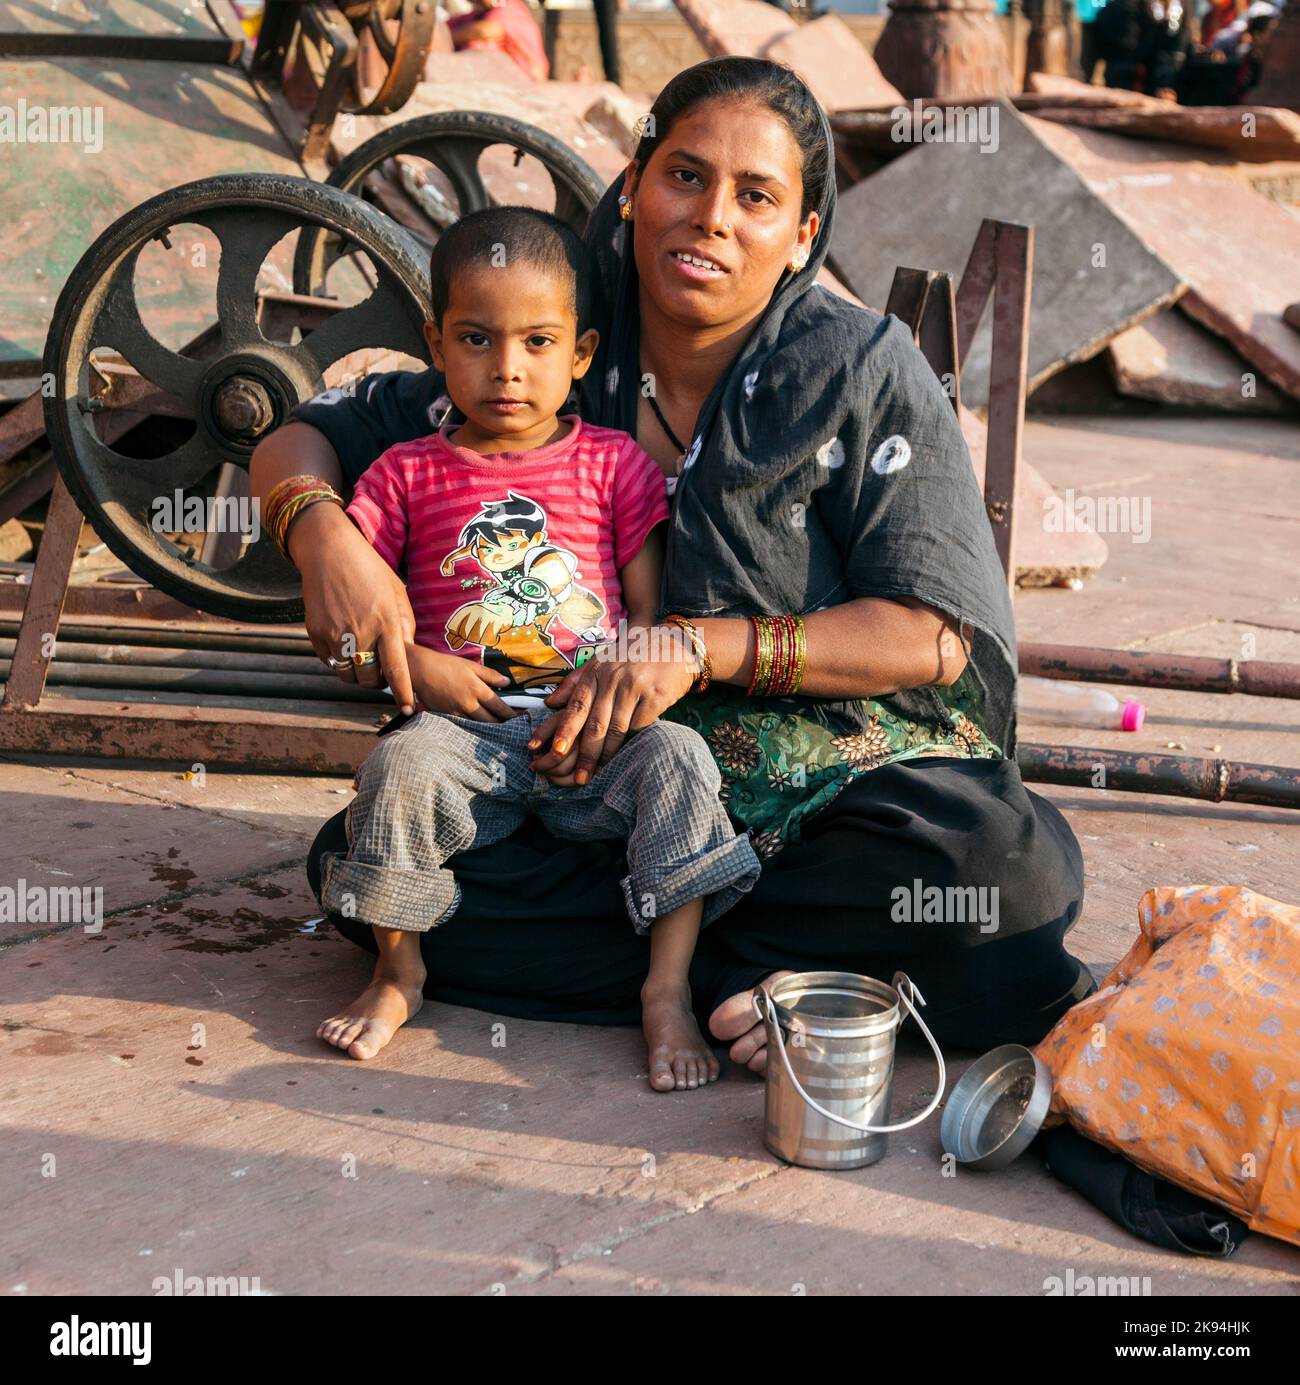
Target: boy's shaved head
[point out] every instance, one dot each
(507, 237)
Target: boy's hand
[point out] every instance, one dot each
(461, 687)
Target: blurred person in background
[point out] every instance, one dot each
(1220, 14)
(1144, 44)
(1229, 61)
(507, 25)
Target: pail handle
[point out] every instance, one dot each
(766, 1010)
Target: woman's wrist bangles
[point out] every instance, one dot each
(780, 655)
(288, 499)
(698, 647)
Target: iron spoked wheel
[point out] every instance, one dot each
(454, 142)
(236, 391)
(401, 32)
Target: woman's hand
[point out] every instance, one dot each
(353, 600)
(603, 700)
(463, 687)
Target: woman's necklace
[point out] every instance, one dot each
(672, 437)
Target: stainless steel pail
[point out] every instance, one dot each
(830, 1065)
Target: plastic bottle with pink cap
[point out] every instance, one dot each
(1069, 704)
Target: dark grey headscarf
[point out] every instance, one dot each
(827, 464)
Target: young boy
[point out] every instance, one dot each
(527, 539)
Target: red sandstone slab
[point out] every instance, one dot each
(1041, 87)
(925, 208)
(474, 65)
(1221, 538)
(170, 1066)
(736, 28)
(905, 1226)
(841, 73)
(1238, 251)
(64, 828)
(1173, 360)
(1250, 134)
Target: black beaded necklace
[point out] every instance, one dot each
(672, 437)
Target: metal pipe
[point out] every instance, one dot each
(82, 651)
(172, 637)
(1179, 776)
(272, 708)
(1186, 672)
(199, 681)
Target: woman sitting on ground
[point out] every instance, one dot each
(821, 483)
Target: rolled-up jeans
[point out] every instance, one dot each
(442, 784)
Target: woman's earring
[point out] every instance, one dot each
(625, 208)
(798, 259)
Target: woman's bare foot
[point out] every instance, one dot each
(679, 1058)
(734, 1022)
(395, 993)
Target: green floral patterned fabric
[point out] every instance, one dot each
(780, 766)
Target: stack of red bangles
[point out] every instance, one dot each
(780, 655)
(287, 501)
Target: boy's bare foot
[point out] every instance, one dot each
(364, 1027)
(679, 1058)
(734, 1022)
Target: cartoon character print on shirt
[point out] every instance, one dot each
(526, 584)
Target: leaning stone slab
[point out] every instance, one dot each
(1093, 276)
(842, 75)
(1252, 134)
(1237, 251)
(736, 28)
(1173, 360)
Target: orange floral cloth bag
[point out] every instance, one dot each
(1187, 1060)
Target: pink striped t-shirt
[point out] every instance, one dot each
(513, 559)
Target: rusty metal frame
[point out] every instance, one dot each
(306, 67)
(88, 720)
(230, 737)
(923, 299)
(316, 43)
(1000, 266)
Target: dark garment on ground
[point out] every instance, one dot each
(541, 932)
(1159, 1212)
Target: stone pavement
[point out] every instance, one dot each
(479, 1155)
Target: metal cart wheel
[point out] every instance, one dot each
(240, 388)
(401, 31)
(453, 141)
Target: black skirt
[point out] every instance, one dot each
(947, 869)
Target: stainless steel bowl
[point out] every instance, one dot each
(994, 1112)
